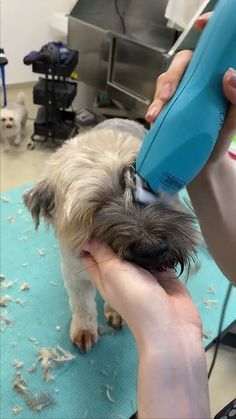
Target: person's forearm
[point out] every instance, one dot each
(172, 378)
(213, 196)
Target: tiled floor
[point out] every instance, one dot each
(22, 166)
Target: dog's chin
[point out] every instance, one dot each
(157, 258)
(158, 237)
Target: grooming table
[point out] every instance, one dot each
(101, 383)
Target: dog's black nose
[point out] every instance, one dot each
(148, 257)
(8, 126)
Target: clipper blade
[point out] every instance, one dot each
(143, 192)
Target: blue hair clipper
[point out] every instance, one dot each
(181, 140)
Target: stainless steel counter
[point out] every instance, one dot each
(123, 46)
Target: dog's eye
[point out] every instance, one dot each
(11, 119)
(3, 119)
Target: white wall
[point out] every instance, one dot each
(25, 26)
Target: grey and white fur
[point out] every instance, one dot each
(88, 190)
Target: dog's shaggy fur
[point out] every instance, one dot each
(13, 121)
(87, 191)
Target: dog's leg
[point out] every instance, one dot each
(112, 317)
(83, 330)
(17, 139)
(5, 145)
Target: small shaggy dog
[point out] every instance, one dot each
(13, 121)
(88, 191)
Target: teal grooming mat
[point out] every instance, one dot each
(101, 383)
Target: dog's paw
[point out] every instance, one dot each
(112, 317)
(84, 339)
(83, 335)
(115, 320)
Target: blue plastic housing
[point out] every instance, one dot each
(181, 140)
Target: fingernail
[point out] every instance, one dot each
(165, 92)
(152, 113)
(232, 78)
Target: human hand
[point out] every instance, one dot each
(167, 329)
(152, 305)
(168, 82)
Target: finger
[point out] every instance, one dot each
(229, 85)
(167, 84)
(173, 75)
(202, 21)
(154, 109)
(226, 135)
(172, 285)
(229, 128)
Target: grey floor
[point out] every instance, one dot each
(21, 166)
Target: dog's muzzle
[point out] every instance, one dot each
(149, 257)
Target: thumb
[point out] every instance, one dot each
(91, 266)
(100, 262)
(100, 252)
(107, 261)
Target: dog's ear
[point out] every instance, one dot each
(40, 201)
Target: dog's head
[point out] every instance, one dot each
(156, 236)
(8, 120)
(88, 192)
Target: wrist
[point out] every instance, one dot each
(210, 171)
(209, 182)
(174, 368)
(172, 339)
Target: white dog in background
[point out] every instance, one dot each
(13, 121)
